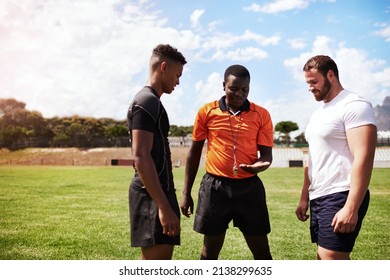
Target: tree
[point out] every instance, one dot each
(284, 128)
(19, 127)
(115, 133)
(180, 131)
(301, 140)
(8, 106)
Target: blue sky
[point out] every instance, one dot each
(89, 58)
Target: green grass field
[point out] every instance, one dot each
(81, 213)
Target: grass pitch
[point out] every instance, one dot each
(81, 213)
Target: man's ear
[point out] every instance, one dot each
(163, 66)
(223, 85)
(330, 75)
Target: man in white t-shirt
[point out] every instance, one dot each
(342, 138)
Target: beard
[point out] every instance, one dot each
(322, 94)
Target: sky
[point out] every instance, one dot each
(90, 57)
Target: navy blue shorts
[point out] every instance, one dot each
(222, 200)
(145, 226)
(322, 212)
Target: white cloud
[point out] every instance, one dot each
(278, 6)
(240, 54)
(367, 77)
(383, 78)
(212, 26)
(203, 91)
(175, 108)
(84, 57)
(223, 46)
(90, 57)
(296, 106)
(209, 90)
(259, 39)
(384, 32)
(195, 16)
(321, 45)
(297, 43)
(224, 40)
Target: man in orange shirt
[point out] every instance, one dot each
(239, 137)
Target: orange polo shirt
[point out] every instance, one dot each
(252, 127)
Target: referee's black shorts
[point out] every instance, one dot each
(222, 200)
(145, 226)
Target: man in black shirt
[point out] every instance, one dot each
(154, 210)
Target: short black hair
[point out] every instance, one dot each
(237, 70)
(323, 64)
(169, 52)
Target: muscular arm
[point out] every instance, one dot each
(361, 142)
(142, 143)
(192, 165)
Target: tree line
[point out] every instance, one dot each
(21, 128)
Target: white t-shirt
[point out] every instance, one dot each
(330, 160)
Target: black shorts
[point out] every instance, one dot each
(145, 226)
(322, 212)
(222, 200)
